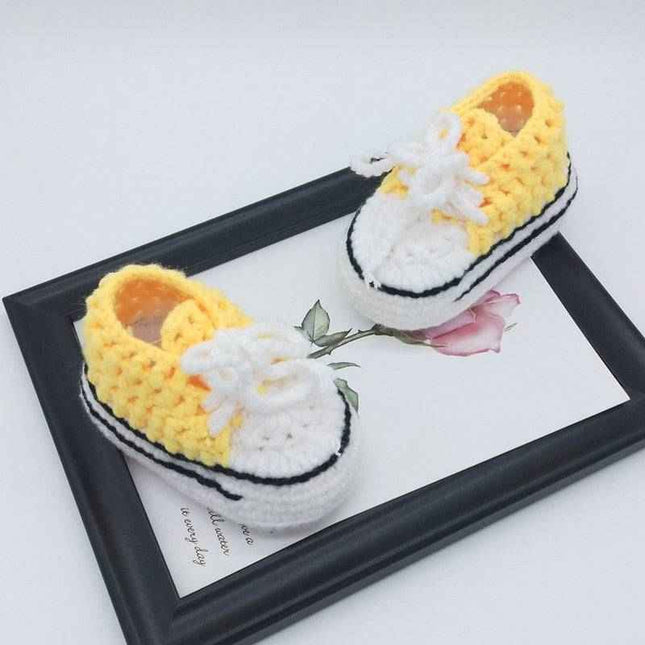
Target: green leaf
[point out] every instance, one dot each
(342, 365)
(316, 323)
(348, 393)
(331, 339)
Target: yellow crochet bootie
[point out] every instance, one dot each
(232, 413)
(483, 189)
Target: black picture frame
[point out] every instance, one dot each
(310, 574)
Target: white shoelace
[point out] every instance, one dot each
(436, 173)
(261, 368)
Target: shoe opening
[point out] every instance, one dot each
(512, 105)
(142, 305)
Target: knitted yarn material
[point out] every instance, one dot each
(232, 413)
(142, 382)
(434, 234)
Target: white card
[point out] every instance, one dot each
(423, 415)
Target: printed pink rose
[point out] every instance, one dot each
(476, 330)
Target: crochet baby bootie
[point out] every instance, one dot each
(231, 413)
(483, 189)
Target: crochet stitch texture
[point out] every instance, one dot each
(522, 176)
(143, 382)
(485, 185)
(233, 414)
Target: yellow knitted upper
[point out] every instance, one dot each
(142, 381)
(513, 131)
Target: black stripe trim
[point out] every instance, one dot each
(538, 231)
(393, 291)
(236, 474)
(210, 483)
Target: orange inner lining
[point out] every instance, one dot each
(512, 104)
(142, 306)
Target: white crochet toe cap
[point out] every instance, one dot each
(396, 245)
(293, 417)
(295, 440)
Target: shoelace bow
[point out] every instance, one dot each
(261, 368)
(436, 173)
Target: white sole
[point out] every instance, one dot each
(265, 503)
(418, 310)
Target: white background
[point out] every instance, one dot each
(123, 121)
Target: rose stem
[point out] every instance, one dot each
(325, 351)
